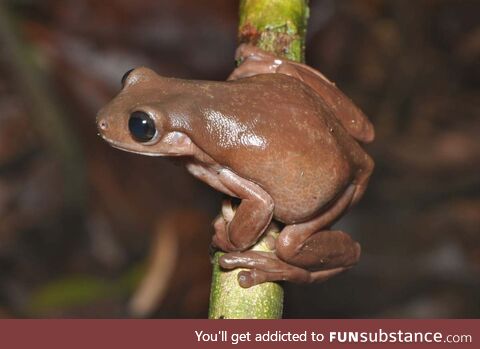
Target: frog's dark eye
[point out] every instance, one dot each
(141, 126)
(125, 76)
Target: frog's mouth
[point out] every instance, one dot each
(121, 146)
(135, 151)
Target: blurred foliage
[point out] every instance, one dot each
(75, 291)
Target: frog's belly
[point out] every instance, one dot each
(301, 195)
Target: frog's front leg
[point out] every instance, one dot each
(251, 217)
(304, 252)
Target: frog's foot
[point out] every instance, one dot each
(266, 266)
(254, 61)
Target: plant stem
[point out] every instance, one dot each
(277, 26)
(230, 301)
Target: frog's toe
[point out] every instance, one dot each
(249, 278)
(250, 260)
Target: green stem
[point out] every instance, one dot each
(230, 301)
(276, 26)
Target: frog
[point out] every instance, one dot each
(277, 136)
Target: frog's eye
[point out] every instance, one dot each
(141, 126)
(125, 76)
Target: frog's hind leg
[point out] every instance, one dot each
(304, 252)
(325, 254)
(308, 245)
(266, 266)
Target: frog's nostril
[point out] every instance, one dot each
(103, 125)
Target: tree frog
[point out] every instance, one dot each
(278, 136)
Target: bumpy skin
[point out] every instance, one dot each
(280, 137)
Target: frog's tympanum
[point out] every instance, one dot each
(279, 136)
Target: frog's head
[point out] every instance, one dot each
(135, 121)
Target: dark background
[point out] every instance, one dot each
(79, 220)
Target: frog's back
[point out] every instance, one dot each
(273, 130)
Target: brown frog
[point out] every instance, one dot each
(279, 136)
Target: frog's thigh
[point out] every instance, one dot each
(254, 213)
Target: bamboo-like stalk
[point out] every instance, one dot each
(277, 26)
